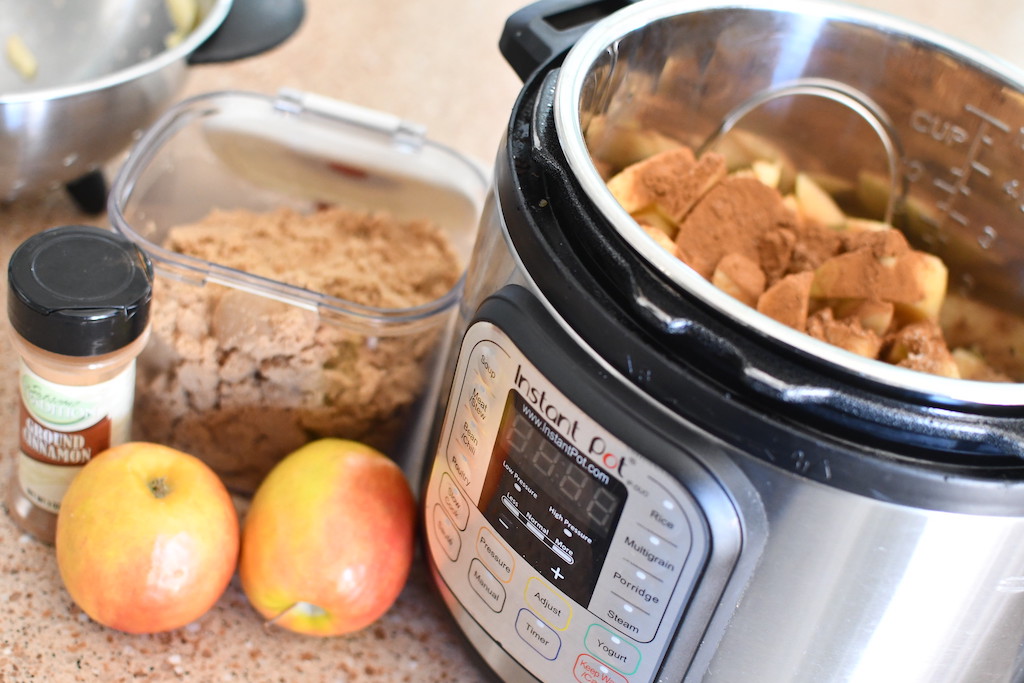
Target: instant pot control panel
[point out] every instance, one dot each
(574, 552)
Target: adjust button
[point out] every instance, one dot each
(550, 605)
(538, 634)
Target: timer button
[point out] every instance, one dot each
(537, 634)
(446, 534)
(454, 502)
(486, 585)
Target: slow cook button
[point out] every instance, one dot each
(446, 534)
(486, 585)
(495, 555)
(454, 502)
(611, 649)
(537, 634)
(589, 670)
(551, 606)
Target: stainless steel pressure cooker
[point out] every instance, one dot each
(636, 477)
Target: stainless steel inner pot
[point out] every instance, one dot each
(940, 135)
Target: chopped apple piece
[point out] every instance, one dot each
(931, 277)
(787, 300)
(816, 204)
(846, 334)
(872, 315)
(921, 346)
(854, 224)
(972, 366)
(768, 172)
(661, 238)
(740, 277)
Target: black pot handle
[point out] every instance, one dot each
(540, 31)
(250, 27)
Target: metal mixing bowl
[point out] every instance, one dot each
(105, 71)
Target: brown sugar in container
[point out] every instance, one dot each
(78, 303)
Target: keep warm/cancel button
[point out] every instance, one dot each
(589, 670)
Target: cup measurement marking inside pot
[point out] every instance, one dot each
(958, 183)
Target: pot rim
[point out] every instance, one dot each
(569, 87)
(200, 34)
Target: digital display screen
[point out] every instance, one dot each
(553, 504)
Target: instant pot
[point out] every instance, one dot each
(638, 478)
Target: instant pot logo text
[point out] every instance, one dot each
(567, 425)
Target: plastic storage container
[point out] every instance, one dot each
(245, 364)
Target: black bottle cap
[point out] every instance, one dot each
(79, 290)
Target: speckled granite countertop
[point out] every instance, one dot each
(435, 63)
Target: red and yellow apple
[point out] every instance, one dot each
(327, 543)
(147, 538)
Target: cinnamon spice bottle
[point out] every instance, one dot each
(78, 304)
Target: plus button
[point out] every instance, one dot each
(556, 572)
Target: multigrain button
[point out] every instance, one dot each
(495, 555)
(612, 649)
(537, 634)
(446, 534)
(454, 502)
(549, 604)
(486, 585)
